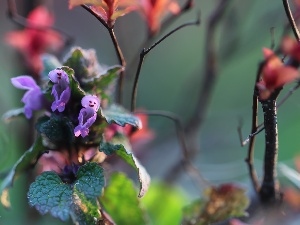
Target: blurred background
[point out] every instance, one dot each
(170, 80)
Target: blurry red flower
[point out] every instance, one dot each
(34, 42)
(108, 10)
(274, 74)
(291, 47)
(155, 10)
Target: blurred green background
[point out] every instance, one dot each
(170, 79)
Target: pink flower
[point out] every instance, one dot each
(291, 47)
(31, 42)
(154, 11)
(274, 74)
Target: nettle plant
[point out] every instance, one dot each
(79, 119)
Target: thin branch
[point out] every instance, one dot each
(20, 20)
(118, 50)
(291, 19)
(191, 169)
(87, 8)
(121, 61)
(145, 52)
(210, 76)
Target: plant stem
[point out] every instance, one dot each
(121, 61)
(291, 19)
(268, 191)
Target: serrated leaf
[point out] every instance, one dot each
(49, 194)
(90, 180)
(58, 129)
(25, 161)
(117, 114)
(11, 114)
(121, 148)
(221, 203)
(120, 201)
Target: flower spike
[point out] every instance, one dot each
(87, 115)
(60, 90)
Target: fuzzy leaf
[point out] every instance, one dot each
(121, 147)
(79, 200)
(120, 201)
(58, 129)
(221, 203)
(77, 62)
(11, 114)
(76, 90)
(24, 162)
(90, 180)
(117, 114)
(49, 194)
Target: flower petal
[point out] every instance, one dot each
(24, 82)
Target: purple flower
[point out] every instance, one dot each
(33, 98)
(60, 90)
(87, 115)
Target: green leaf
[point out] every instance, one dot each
(24, 162)
(58, 129)
(109, 148)
(164, 203)
(221, 203)
(90, 180)
(77, 62)
(117, 114)
(76, 90)
(11, 114)
(120, 201)
(49, 194)
(121, 147)
(85, 211)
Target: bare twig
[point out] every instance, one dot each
(89, 9)
(186, 162)
(291, 19)
(145, 52)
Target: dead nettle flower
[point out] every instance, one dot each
(154, 11)
(108, 10)
(87, 115)
(274, 74)
(36, 39)
(60, 90)
(33, 98)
